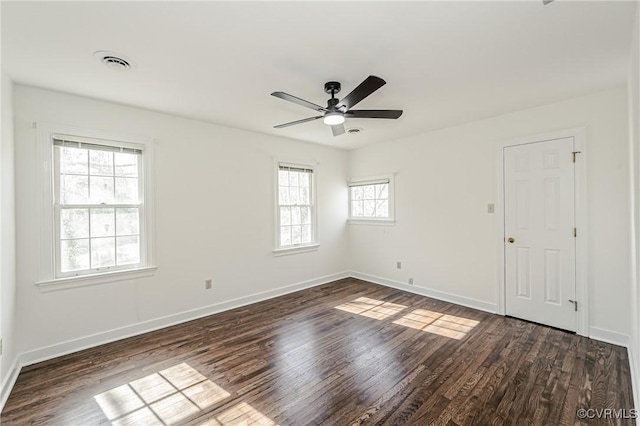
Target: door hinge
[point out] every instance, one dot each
(574, 155)
(575, 304)
(575, 232)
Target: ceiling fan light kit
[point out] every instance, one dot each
(333, 118)
(336, 110)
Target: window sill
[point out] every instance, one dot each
(95, 279)
(295, 250)
(379, 222)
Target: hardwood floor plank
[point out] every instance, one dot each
(344, 353)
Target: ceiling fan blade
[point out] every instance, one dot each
(337, 129)
(374, 113)
(367, 87)
(295, 100)
(293, 123)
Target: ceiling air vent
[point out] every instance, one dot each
(114, 61)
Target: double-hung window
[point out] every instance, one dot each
(296, 210)
(99, 206)
(371, 199)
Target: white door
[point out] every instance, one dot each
(540, 248)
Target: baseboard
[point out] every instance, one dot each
(609, 336)
(424, 291)
(75, 345)
(9, 381)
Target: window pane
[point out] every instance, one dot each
(293, 195)
(101, 163)
(74, 189)
(356, 208)
(306, 233)
(296, 235)
(127, 190)
(101, 189)
(294, 198)
(303, 180)
(103, 252)
(295, 215)
(369, 208)
(126, 164)
(370, 200)
(74, 255)
(74, 160)
(382, 208)
(285, 235)
(369, 193)
(128, 250)
(283, 195)
(304, 196)
(283, 178)
(305, 215)
(102, 222)
(285, 215)
(382, 191)
(293, 178)
(74, 223)
(98, 235)
(127, 222)
(356, 193)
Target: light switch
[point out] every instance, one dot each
(491, 208)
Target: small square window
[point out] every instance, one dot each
(371, 199)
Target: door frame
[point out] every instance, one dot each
(579, 135)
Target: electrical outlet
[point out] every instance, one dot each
(491, 208)
(410, 281)
(398, 265)
(208, 284)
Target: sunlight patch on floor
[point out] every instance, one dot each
(242, 414)
(162, 398)
(371, 308)
(437, 323)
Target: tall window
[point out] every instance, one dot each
(371, 199)
(99, 202)
(296, 211)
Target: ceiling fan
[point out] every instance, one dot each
(336, 111)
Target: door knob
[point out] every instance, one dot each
(511, 240)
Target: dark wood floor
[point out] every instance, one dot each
(345, 353)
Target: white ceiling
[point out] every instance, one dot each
(445, 63)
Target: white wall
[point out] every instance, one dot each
(208, 227)
(7, 233)
(634, 157)
(214, 219)
(444, 236)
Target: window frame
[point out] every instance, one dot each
(279, 250)
(58, 205)
(50, 277)
(372, 180)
